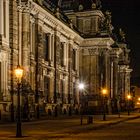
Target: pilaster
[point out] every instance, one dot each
(1, 17)
(24, 24)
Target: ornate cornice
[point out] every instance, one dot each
(24, 7)
(98, 42)
(50, 19)
(95, 51)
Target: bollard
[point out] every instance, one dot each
(90, 120)
(81, 119)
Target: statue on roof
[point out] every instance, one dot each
(108, 17)
(96, 4)
(59, 3)
(106, 23)
(122, 35)
(71, 24)
(81, 7)
(57, 13)
(93, 6)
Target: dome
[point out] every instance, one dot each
(74, 4)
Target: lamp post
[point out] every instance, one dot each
(81, 87)
(104, 93)
(18, 73)
(128, 103)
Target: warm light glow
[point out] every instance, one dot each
(81, 86)
(19, 72)
(129, 97)
(139, 99)
(104, 91)
(138, 103)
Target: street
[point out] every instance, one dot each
(70, 129)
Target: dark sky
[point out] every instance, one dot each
(126, 14)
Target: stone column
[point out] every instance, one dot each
(70, 71)
(115, 77)
(115, 85)
(65, 54)
(1, 17)
(77, 60)
(6, 30)
(52, 49)
(127, 80)
(25, 38)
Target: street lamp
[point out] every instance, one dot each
(128, 103)
(18, 73)
(104, 93)
(81, 87)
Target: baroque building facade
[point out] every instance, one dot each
(57, 51)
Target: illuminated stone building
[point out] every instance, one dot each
(57, 50)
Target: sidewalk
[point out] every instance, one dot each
(62, 126)
(73, 125)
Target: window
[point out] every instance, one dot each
(32, 79)
(74, 93)
(46, 47)
(73, 58)
(52, 47)
(46, 87)
(62, 54)
(80, 25)
(62, 90)
(87, 25)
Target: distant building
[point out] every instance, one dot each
(58, 50)
(135, 91)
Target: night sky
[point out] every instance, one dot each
(125, 15)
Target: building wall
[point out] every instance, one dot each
(99, 66)
(55, 58)
(48, 50)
